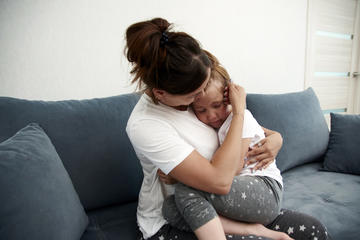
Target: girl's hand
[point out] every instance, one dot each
(166, 178)
(265, 152)
(237, 98)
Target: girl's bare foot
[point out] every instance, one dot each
(241, 228)
(261, 230)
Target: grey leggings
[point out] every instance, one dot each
(253, 199)
(297, 225)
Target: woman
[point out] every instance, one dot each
(166, 135)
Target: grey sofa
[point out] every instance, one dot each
(89, 138)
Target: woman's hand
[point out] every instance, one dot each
(265, 152)
(166, 178)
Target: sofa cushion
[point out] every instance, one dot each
(90, 138)
(343, 153)
(299, 119)
(112, 223)
(331, 197)
(38, 200)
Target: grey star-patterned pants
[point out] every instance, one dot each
(247, 193)
(297, 225)
(252, 199)
(167, 232)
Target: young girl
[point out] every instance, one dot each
(255, 195)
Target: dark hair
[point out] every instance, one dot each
(178, 65)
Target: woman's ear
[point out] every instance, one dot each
(158, 93)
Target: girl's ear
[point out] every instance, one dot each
(158, 93)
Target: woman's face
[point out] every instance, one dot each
(210, 108)
(181, 102)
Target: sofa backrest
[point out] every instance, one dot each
(299, 119)
(90, 138)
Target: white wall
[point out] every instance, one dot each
(73, 49)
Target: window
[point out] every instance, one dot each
(332, 58)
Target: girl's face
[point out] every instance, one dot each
(210, 108)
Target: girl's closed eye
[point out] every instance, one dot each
(217, 104)
(200, 110)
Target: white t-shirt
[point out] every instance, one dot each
(251, 129)
(163, 137)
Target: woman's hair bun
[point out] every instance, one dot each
(165, 59)
(162, 24)
(143, 40)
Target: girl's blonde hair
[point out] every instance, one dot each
(218, 72)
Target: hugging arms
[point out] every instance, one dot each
(173, 71)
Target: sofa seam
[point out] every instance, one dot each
(99, 233)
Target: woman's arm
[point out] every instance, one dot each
(217, 175)
(264, 155)
(167, 179)
(266, 152)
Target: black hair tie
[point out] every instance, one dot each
(164, 39)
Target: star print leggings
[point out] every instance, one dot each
(253, 199)
(297, 225)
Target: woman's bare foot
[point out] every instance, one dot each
(261, 230)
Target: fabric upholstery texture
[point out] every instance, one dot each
(299, 119)
(112, 223)
(90, 138)
(38, 200)
(331, 197)
(343, 153)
